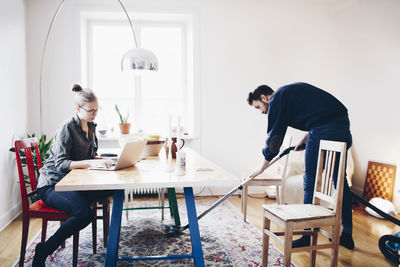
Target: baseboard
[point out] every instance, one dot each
(9, 216)
(358, 191)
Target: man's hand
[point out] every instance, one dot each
(301, 143)
(261, 170)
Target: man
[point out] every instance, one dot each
(308, 108)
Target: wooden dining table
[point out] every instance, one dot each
(151, 173)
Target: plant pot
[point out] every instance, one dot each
(124, 128)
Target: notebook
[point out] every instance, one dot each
(130, 154)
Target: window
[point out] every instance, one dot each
(149, 98)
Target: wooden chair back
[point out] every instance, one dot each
(328, 190)
(26, 147)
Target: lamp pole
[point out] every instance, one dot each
(130, 22)
(41, 65)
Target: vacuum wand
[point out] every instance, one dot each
(172, 230)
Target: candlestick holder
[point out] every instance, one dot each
(170, 165)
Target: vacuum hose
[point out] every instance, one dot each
(383, 214)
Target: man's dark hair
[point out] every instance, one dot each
(256, 95)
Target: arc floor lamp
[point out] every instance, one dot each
(138, 59)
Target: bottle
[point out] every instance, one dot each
(182, 163)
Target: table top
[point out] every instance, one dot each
(150, 173)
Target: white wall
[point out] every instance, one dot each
(13, 103)
(349, 48)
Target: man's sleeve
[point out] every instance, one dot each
(277, 126)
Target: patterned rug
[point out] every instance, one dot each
(226, 240)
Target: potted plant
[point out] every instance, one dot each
(124, 125)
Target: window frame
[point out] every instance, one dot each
(184, 22)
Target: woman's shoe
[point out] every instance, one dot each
(40, 256)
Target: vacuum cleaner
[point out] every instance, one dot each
(172, 230)
(389, 245)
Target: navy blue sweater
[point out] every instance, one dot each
(300, 106)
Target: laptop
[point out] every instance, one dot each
(130, 154)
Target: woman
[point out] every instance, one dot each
(75, 146)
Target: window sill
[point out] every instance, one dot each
(112, 138)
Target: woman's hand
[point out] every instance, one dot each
(301, 143)
(84, 164)
(107, 162)
(261, 170)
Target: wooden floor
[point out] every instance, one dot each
(367, 231)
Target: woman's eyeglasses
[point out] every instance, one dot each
(91, 111)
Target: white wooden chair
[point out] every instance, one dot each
(325, 211)
(277, 180)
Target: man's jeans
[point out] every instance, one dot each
(334, 131)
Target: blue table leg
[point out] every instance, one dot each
(115, 227)
(194, 227)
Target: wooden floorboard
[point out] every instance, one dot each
(10, 239)
(367, 231)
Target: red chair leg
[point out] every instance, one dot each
(25, 230)
(94, 229)
(75, 245)
(44, 230)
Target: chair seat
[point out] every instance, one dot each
(299, 212)
(272, 180)
(259, 181)
(40, 209)
(275, 177)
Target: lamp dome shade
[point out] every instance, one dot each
(139, 59)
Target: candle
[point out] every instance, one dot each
(169, 128)
(178, 169)
(178, 130)
(178, 142)
(170, 166)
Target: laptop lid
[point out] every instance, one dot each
(130, 154)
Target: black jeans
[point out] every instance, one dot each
(334, 131)
(74, 203)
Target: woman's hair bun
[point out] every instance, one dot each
(76, 88)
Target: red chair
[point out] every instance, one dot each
(39, 209)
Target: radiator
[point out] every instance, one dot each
(143, 191)
(138, 192)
